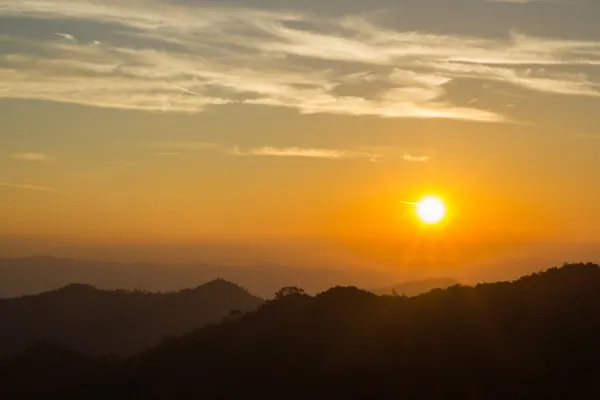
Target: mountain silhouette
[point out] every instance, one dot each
(38, 274)
(100, 322)
(534, 338)
(416, 287)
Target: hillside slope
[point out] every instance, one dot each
(100, 322)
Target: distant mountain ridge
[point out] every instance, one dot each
(37, 274)
(99, 322)
(416, 288)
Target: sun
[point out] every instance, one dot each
(431, 210)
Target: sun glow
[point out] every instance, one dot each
(431, 210)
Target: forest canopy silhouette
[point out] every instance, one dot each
(536, 337)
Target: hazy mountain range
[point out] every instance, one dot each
(100, 322)
(73, 314)
(37, 274)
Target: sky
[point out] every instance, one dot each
(300, 129)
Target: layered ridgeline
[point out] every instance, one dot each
(37, 274)
(100, 322)
(535, 338)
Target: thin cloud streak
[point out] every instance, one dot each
(31, 157)
(66, 36)
(539, 80)
(331, 154)
(412, 158)
(27, 187)
(375, 154)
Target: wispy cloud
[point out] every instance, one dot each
(412, 158)
(27, 187)
(370, 153)
(31, 157)
(181, 57)
(536, 79)
(331, 154)
(188, 148)
(65, 36)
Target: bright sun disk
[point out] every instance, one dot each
(431, 210)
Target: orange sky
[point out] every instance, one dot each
(263, 125)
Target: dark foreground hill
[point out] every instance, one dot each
(535, 338)
(100, 322)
